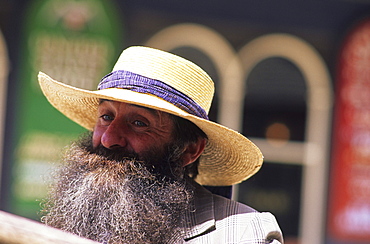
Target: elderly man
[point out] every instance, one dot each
(137, 176)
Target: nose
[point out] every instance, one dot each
(114, 136)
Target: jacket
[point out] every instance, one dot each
(214, 219)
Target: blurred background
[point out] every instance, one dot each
(293, 76)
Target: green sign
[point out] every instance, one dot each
(75, 42)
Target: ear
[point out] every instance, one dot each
(193, 151)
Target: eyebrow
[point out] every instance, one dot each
(151, 110)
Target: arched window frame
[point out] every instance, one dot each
(313, 153)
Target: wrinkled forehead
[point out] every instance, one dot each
(151, 110)
(161, 115)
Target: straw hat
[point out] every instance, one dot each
(169, 83)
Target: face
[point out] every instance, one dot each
(136, 199)
(131, 128)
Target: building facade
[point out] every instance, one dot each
(292, 76)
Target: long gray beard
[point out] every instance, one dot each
(113, 201)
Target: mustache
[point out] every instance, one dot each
(116, 153)
(102, 162)
(155, 161)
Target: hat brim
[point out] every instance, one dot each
(229, 157)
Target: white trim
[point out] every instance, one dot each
(319, 107)
(4, 69)
(289, 153)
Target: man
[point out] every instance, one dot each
(136, 178)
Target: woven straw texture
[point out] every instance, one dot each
(229, 157)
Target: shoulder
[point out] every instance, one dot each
(245, 222)
(224, 207)
(220, 220)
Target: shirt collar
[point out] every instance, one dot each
(200, 218)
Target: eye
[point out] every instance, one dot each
(106, 117)
(139, 123)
